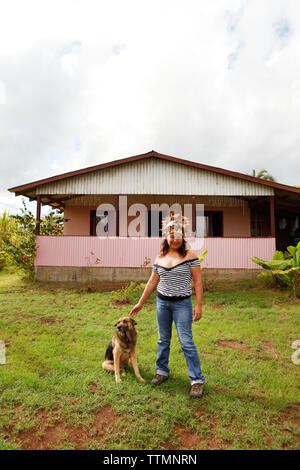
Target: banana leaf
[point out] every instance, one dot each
(286, 271)
(261, 263)
(278, 255)
(201, 257)
(285, 278)
(295, 252)
(272, 264)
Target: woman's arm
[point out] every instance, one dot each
(198, 285)
(150, 286)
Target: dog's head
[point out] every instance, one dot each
(124, 324)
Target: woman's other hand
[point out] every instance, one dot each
(135, 309)
(197, 312)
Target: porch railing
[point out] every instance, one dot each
(140, 252)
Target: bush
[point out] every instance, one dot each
(52, 224)
(284, 268)
(18, 238)
(19, 242)
(6, 226)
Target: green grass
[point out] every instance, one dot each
(55, 394)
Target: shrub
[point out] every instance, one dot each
(18, 238)
(7, 225)
(19, 242)
(284, 268)
(52, 224)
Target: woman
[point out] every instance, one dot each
(172, 272)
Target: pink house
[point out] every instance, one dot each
(243, 216)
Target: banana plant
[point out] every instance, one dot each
(284, 270)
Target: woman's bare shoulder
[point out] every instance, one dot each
(156, 261)
(191, 255)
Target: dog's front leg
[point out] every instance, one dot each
(135, 366)
(117, 354)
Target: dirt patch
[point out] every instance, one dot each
(188, 438)
(269, 348)
(216, 306)
(283, 316)
(46, 435)
(51, 432)
(105, 418)
(51, 320)
(292, 415)
(191, 439)
(96, 389)
(232, 344)
(239, 345)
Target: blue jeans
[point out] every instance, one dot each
(181, 311)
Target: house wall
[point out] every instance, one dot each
(79, 220)
(115, 278)
(236, 220)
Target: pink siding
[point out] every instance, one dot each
(132, 252)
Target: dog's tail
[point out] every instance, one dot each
(109, 353)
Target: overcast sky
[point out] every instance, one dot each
(87, 82)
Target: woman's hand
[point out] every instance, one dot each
(135, 309)
(197, 312)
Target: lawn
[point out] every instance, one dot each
(54, 393)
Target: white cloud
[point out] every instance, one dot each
(89, 82)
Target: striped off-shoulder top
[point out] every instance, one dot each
(175, 282)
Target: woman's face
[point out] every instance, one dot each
(174, 241)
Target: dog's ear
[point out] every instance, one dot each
(133, 322)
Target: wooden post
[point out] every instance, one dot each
(256, 222)
(194, 214)
(116, 204)
(38, 214)
(272, 216)
(211, 225)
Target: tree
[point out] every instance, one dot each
(264, 175)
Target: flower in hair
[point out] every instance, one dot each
(175, 223)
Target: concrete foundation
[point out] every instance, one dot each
(117, 275)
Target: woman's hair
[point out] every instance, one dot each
(164, 248)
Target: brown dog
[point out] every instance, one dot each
(122, 349)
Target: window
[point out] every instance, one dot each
(260, 223)
(157, 217)
(213, 224)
